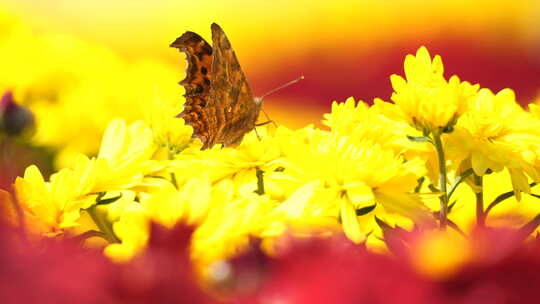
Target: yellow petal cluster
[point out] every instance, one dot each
(56, 204)
(425, 98)
(351, 175)
(495, 133)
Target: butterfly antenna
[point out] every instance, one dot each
(260, 99)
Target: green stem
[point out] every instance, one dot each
(501, 198)
(442, 178)
(102, 225)
(260, 181)
(480, 215)
(458, 181)
(171, 154)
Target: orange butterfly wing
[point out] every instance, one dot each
(219, 103)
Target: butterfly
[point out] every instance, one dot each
(219, 103)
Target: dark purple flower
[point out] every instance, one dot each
(15, 118)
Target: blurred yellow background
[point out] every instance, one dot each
(343, 47)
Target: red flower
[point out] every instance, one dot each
(60, 271)
(335, 270)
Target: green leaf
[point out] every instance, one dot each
(100, 196)
(433, 188)
(420, 182)
(381, 223)
(103, 225)
(451, 206)
(498, 200)
(419, 139)
(534, 195)
(449, 128)
(89, 234)
(458, 181)
(107, 201)
(530, 227)
(454, 226)
(393, 236)
(365, 210)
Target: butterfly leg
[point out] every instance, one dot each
(262, 124)
(269, 120)
(257, 133)
(265, 123)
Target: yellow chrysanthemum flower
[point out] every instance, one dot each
(345, 115)
(190, 203)
(354, 175)
(125, 156)
(256, 152)
(496, 133)
(123, 161)
(166, 206)
(51, 207)
(133, 229)
(224, 222)
(381, 124)
(169, 131)
(230, 225)
(365, 123)
(425, 98)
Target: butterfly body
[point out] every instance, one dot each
(219, 103)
